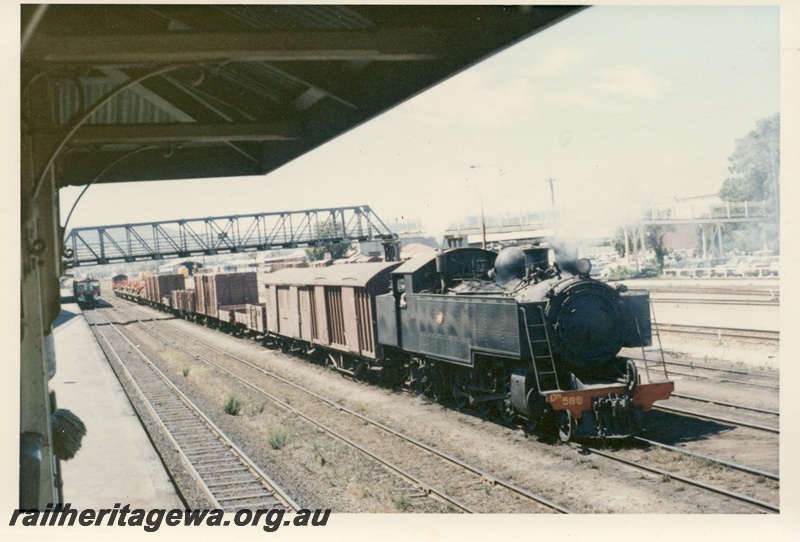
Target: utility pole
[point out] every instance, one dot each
(483, 227)
(550, 181)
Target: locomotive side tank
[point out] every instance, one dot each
(523, 335)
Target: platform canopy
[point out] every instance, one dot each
(133, 92)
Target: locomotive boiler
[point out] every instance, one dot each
(523, 335)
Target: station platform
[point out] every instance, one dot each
(117, 462)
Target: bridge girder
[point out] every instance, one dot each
(233, 234)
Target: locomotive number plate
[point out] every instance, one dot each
(565, 401)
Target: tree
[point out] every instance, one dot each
(755, 166)
(755, 176)
(653, 240)
(329, 244)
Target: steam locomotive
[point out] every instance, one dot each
(525, 333)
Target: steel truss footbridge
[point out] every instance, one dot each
(708, 217)
(98, 245)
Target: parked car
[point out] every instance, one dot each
(706, 268)
(759, 267)
(679, 269)
(703, 269)
(598, 272)
(774, 266)
(743, 268)
(687, 268)
(728, 268)
(670, 271)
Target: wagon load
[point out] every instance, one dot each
(183, 301)
(129, 288)
(257, 317)
(160, 286)
(234, 315)
(216, 290)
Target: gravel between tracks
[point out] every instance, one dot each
(321, 473)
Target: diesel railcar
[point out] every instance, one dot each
(86, 292)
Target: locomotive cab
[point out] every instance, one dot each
(421, 281)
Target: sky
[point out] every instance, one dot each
(621, 106)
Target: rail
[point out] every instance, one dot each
(192, 434)
(364, 420)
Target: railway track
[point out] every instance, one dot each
(726, 404)
(458, 483)
(740, 423)
(228, 478)
(711, 301)
(716, 418)
(719, 332)
(672, 475)
(719, 373)
(696, 365)
(495, 482)
(729, 464)
(763, 292)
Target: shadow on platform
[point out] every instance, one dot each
(65, 316)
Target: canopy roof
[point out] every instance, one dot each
(136, 92)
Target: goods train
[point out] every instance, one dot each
(525, 333)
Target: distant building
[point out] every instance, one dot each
(410, 250)
(187, 267)
(683, 238)
(375, 248)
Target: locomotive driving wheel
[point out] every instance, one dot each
(507, 412)
(566, 425)
(482, 408)
(460, 398)
(435, 384)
